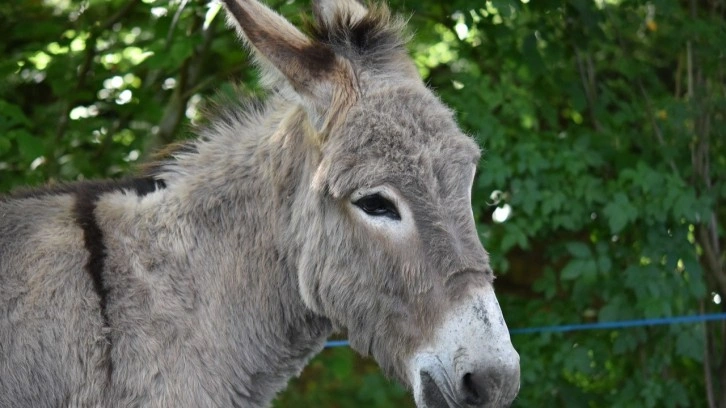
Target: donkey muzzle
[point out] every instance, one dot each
(471, 362)
(494, 387)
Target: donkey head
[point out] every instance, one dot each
(388, 245)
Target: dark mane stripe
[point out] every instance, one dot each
(141, 186)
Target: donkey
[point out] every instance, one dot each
(340, 203)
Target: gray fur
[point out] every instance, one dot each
(223, 279)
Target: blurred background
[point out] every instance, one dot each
(601, 194)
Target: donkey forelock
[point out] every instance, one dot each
(342, 201)
(373, 38)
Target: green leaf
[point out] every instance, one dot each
(5, 144)
(625, 343)
(689, 343)
(693, 273)
(572, 270)
(604, 264)
(11, 115)
(212, 11)
(532, 56)
(513, 236)
(30, 147)
(579, 360)
(579, 249)
(505, 7)
(619, 212)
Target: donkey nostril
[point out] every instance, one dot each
(474, 390)
(469, 389)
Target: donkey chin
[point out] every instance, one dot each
(471, 362)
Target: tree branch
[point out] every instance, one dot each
(589, 84)
(656, 129)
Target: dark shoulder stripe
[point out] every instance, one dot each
(87, 195)
(84, 210)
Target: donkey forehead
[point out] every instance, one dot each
(401, 137)
(406, 123)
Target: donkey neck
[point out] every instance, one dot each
(218, 237)
(268, 170)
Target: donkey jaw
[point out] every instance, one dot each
(471, 362)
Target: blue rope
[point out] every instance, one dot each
(595, 326)
(622, 324)
(337, 343)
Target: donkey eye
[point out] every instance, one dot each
(378, 206)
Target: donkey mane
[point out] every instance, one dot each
(239, 111)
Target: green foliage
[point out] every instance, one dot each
(590, 120)
(338, 378)
(603, 129)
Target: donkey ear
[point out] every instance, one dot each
(317, 75)
(327, 11)
(277, 43)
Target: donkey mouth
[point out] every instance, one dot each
(437, 391)
(433, 397)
